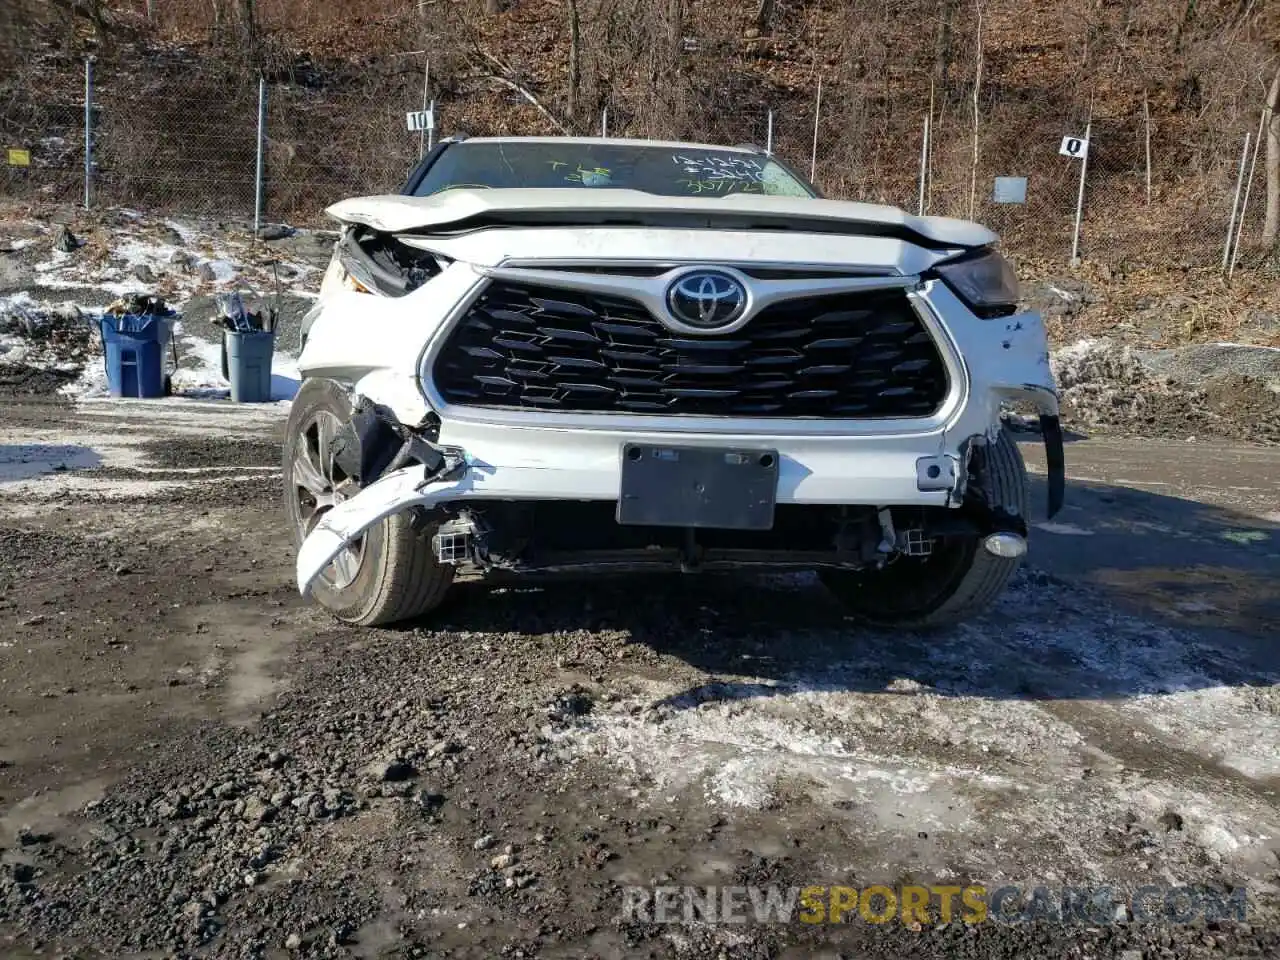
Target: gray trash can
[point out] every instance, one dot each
(246, 362)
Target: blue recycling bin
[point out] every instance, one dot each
(246, 362)
(133, 345)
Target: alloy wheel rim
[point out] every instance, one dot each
(317, 483)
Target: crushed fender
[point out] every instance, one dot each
(373, 443)
(395, 468)
(1055, 461)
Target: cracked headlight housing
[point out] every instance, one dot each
(379, 264)
(985, 281)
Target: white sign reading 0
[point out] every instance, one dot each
(1074, 147)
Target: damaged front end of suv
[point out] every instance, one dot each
(640, 356)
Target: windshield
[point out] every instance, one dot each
(665, 171)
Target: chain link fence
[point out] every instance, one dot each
(185, 141)
(176, 142)
(41, 139)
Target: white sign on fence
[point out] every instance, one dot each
(1074, 147)
(1010, 190)
(418, 120)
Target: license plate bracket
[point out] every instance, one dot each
(726, 488)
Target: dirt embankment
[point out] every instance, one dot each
(1202, 391)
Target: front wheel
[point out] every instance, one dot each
(958, 580)
(390, 573)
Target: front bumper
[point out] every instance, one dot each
(522, 455)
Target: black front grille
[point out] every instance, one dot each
(851, 356)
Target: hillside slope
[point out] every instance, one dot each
(1171, 89)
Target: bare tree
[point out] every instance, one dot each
(91, 10)
(575, 61)
(249, 20)
(942, 49)
(977, 90)
(1188, 18)
(1271, 225)
(675, 26)
(764, 15)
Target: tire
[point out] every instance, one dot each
(957, 581)
(393, 576)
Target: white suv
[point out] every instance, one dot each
(556, 355)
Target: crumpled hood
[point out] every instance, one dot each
(460, 207)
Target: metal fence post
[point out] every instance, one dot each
(426, 92)
(88, 132)
(1248, 189)
(1084, 170)
(924, 163)
(604, 123)
(813, 154)
(768, 144)
(262, 142)
(1235, 201)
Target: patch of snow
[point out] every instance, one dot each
(1078, 350)
(30, 453)
(1246, 346)
(1227, 723)
(62, 484)
(286, 379)
(206, 376)
(1242, 838)
(736, 753)
(137, 253)
(1195, 606)
(20, 299)
(58, 259)
(224, 270)
(1064, 529)
(186, 232)
(27, 460)
(198, 470)
(92, 382)
(97, 280)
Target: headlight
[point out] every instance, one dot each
(351, 283)
(379, 264)
(986, 283)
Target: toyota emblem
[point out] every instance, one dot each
(707, 299)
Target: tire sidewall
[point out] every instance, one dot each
(924, 596)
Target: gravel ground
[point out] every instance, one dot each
(193, 762)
